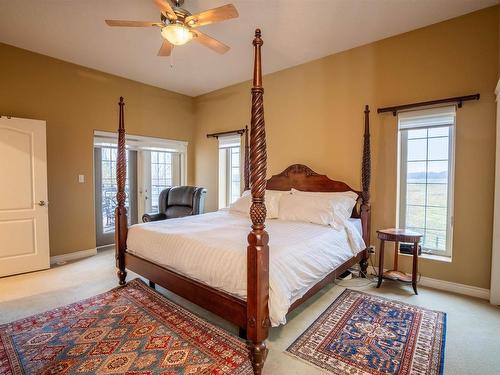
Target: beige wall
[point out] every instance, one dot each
(314, 115)
(74, 101)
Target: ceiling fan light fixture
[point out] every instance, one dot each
(177, 34)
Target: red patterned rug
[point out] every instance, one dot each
(131, 330)
(365, 334)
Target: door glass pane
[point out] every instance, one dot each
(109, 188)
(161, 175)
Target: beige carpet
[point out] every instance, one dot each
(472, 339)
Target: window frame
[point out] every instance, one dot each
(226, 145)
(229, 173)
(402, 184)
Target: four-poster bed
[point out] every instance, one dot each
(250, 314)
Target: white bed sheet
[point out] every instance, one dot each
(211, 248)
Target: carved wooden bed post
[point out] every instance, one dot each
(121, 211)
(246, 165)
(365, 194)
(257, 250)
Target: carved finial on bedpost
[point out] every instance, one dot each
(257, 66)
(246, 166)
(121, 211)
(257, 250)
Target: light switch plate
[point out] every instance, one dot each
(81, 178)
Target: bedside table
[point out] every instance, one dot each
(398, 235)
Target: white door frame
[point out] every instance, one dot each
(495, 258)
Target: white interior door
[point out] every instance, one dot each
(24, 221)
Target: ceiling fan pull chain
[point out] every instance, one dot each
(172, 58)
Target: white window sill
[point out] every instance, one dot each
(434, 257)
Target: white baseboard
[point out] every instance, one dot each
(73, 256)
(468, 290)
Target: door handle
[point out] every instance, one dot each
(42, 203)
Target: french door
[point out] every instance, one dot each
(158, 169)
(105, 192)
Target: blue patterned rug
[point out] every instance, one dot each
(365, 334)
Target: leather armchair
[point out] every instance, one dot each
(178, 201)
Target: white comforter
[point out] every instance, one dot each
(211, 248)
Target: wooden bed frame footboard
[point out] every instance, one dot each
(252, 315)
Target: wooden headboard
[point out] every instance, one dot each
(301, 177)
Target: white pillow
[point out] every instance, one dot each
(342, 202)
(308, 208)
(348, 193)
(272, 202)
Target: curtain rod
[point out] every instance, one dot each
(230, 132)
(458, 99)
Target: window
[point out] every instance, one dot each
(229, 170)
(234, 162)
(426, 153)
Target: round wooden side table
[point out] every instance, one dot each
(398, 235)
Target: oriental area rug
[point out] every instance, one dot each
(362, 334)
(130, 330)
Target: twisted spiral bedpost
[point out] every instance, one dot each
(365, 194)
(366, 168)
(257, 250)
(120, 210)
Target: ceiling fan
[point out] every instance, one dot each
(179, 26)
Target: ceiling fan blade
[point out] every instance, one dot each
(207, 17)
(165, 49)
(166, 8)
(132, 23)
(210, 42)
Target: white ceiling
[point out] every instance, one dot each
(294, 32)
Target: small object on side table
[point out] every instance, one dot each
(398, 235)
